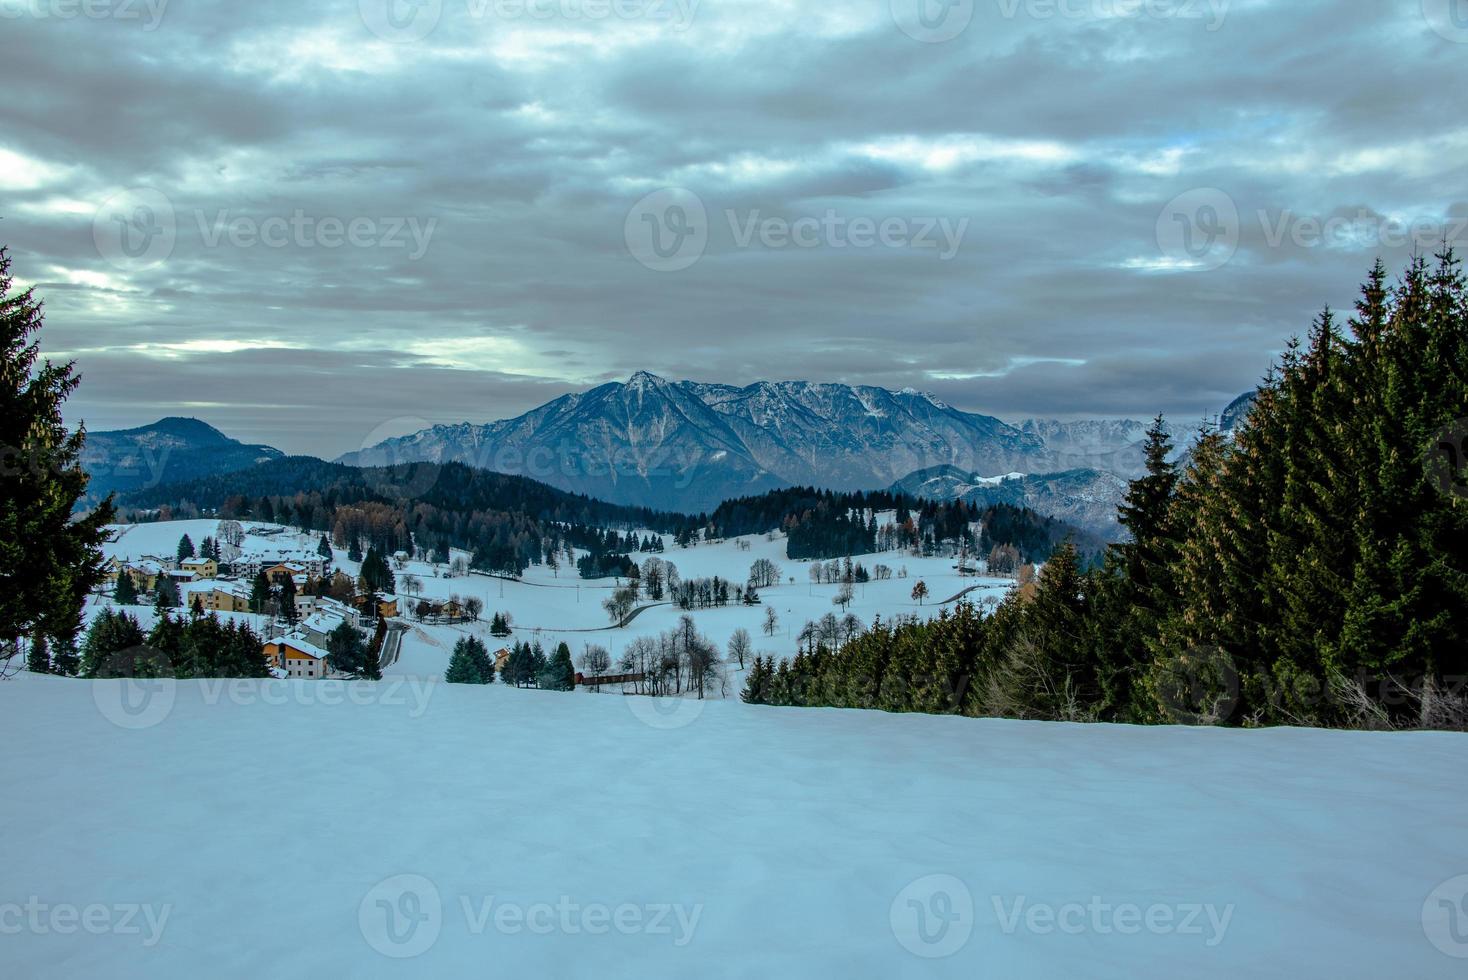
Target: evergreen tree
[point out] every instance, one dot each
(376, 576)
(259, 593)
(483, 662)
(64, 659)
(125, 592)
(537, 664)
(372, 659)
(323, 548)
(165, 594)
(462, 669)
(559, 673)
(287, 594)
(38, 661)
(185, 548)
(50, 560)
(346, 650)
(167, 637)
(1134, 592)
(110, 633)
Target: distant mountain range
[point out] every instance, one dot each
(170, 450)
(687, 446)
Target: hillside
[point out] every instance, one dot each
(736, 840)
(1085, 498)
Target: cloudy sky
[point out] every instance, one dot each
(316, 224)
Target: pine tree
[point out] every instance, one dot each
(185, 548)
(323, 548)
(110, 633)
(38, 661)
(461, 669)
(346, 650)
(165, 593)
(538, 662)
(482, 661)
(168, 637)
(259, 593)
(50, 560)
(288, 598)
(1134, 591)
(372, 658)
(559, 673)
(65, 661)
(126, 591)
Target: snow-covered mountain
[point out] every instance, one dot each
(168, 451)
(688, 446)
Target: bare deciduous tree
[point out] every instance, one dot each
(741, 646)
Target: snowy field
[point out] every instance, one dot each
(300, 829)
(552, 608)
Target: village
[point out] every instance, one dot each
(295, 588)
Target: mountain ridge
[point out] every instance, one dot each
(171, 450)
(689, 445)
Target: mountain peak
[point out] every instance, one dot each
(645, 379)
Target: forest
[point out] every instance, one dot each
(1309, 569)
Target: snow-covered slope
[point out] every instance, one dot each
(1085, 498)
(309, 829)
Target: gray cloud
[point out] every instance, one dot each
(1056, 142)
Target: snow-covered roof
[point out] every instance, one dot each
(322, 622)
(299, 643)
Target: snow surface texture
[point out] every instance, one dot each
(309, 829)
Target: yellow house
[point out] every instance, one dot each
(386, 608)
(284, 570)
(227, 598)
(202, 567)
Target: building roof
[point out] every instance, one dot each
(322, 622)
(299, 644)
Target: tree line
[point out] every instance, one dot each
(1309, 568)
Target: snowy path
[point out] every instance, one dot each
(282, 830)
